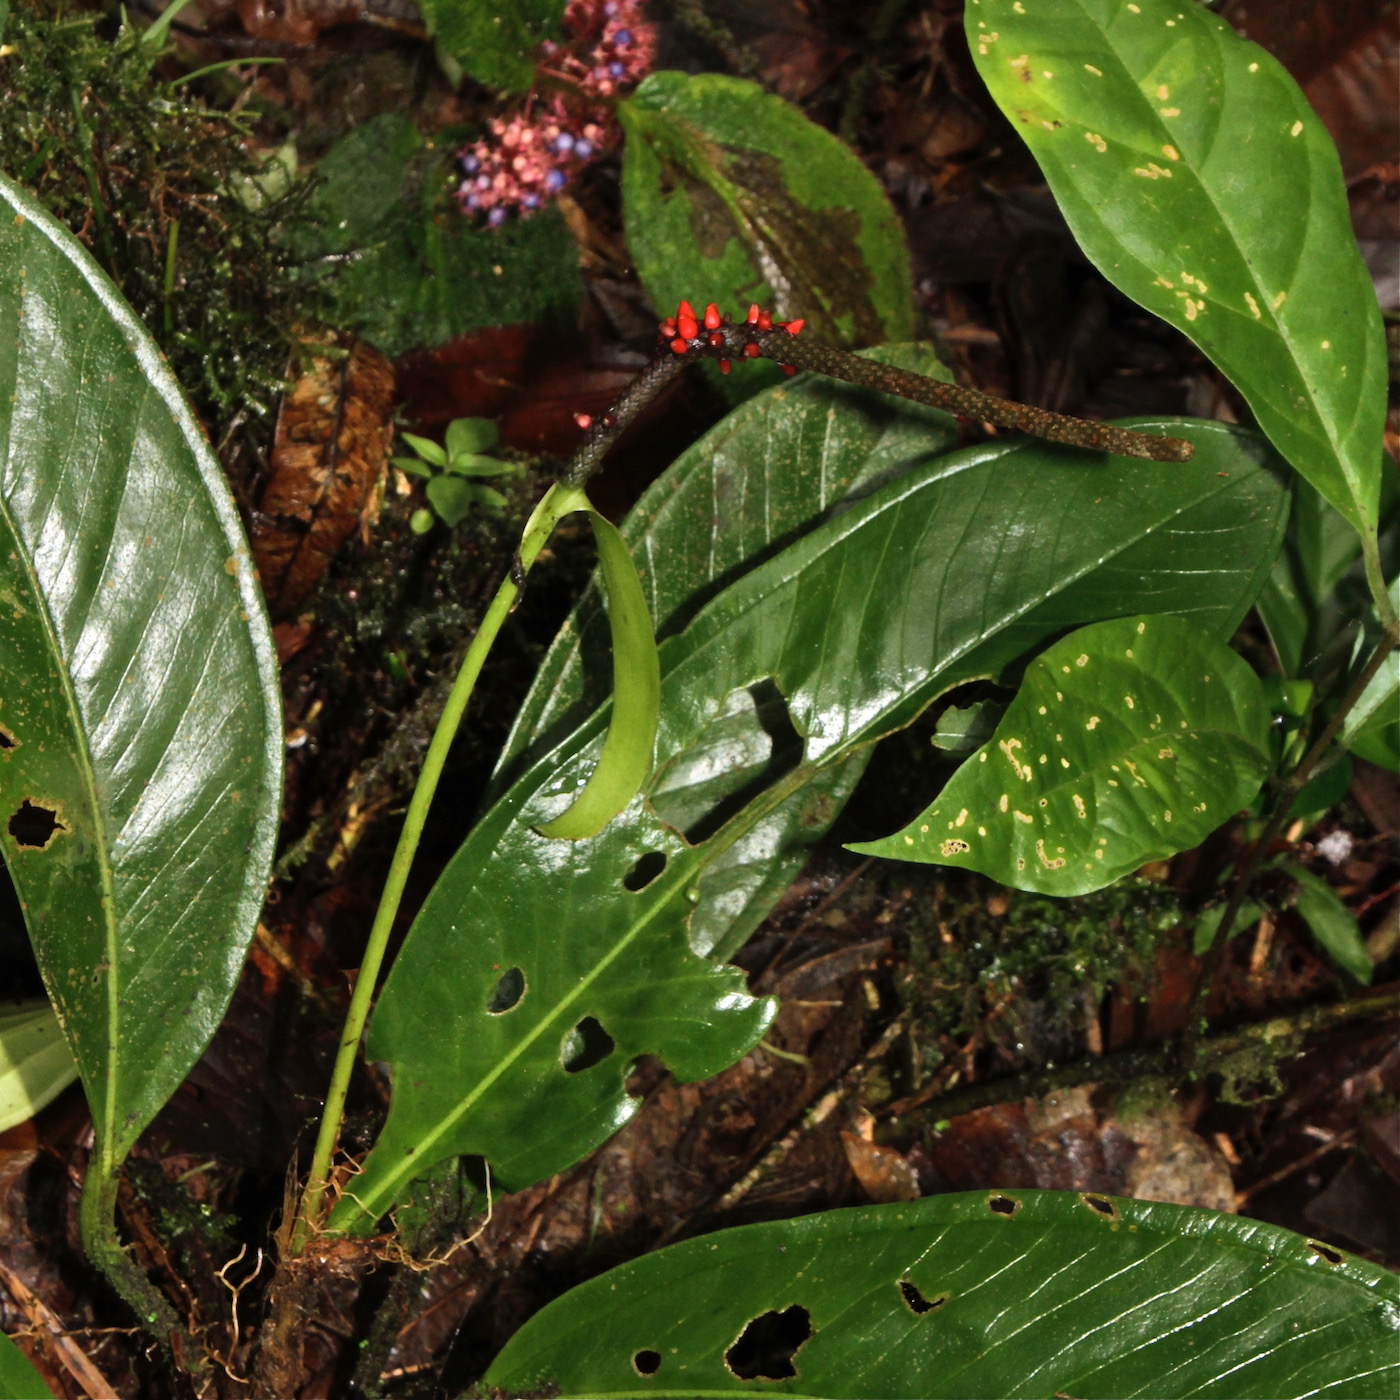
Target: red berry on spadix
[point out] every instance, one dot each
(686, 324)
(584, 420)
(755, 311)
(679, 346)
(794, 327)
(711, 317)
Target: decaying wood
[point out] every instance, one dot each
(334, 432)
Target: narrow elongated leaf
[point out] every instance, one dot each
(1128, 741)
(731, 195)
(765, 475)
(1332, 924)
(948, 573)
(36, 1064)
(140, 762)
(18, 1379)
(1198, 180)
(996, 1294)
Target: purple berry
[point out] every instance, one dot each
(529, 201)
(583, 148)
(483, 182)
(555, 181)
(622, 38)
(496, 217)
(616, 69)
(470, 164)
(564, 143)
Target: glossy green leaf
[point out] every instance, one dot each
(765, 475)
(140, 765)
(413, 466)
(1332, 924)
(974, 1294)
(636, 697)
(1128, 741)
(36, 1064)
(471, 435)
(731, 195)
(1195, 175)
(18, 1379)
(496, 43)
(851, 631)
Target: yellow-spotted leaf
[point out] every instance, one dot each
(1128, 741)
(1196, 177)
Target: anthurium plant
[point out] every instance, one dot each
(865, 571)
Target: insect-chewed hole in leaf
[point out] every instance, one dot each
(1332, 1256)
(34, 826)
(1101, 1205)
(916, 1302)
(767, 1345)
(508, 992)
(588, 1044)
(646, 1362)
(745, 747)
(647, 868)
(1003, 1205)
(7, 740)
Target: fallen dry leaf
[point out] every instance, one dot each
(334, 432)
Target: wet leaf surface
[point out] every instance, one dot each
(1179, 155)
(142, 779)
(859, 625)
(986, 1293)
(1127, 742)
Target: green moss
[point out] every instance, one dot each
(400, 263)
(974, 948)
(149, 179)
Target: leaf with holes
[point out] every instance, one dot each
(1016, 1293)
(770, 472)
(140, 726)
(732, 195)
(1198, 180)
(846, 635)
(1128, 741)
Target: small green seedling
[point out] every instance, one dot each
(444, 469)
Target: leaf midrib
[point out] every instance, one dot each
(1265, 299)
(87, 774)
(680, 874)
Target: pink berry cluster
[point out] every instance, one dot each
(528, 158)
